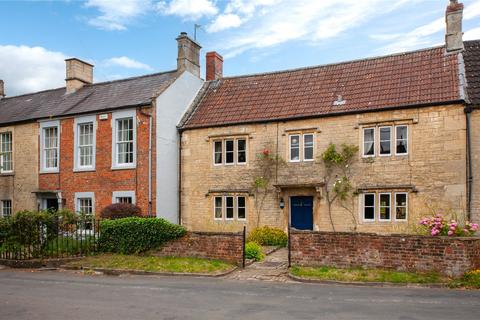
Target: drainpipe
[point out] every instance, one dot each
(150, 125)
(468, 112)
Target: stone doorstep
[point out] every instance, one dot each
(118, 272)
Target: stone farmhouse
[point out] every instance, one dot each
(252, 145)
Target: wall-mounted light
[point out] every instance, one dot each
(282, 203)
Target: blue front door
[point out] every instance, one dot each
(302, 213)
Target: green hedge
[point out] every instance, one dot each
(267, 236)
(135, 235)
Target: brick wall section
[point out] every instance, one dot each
(450, 256)
(211, 245)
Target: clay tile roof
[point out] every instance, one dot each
(91, 98)
(471, 56)
(414, 78)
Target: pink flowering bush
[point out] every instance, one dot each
(438, 226)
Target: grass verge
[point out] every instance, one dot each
(152, 263)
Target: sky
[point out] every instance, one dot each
(125, 38)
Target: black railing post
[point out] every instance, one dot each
(244, 245)
(289, 246)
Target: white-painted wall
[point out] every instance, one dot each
(171, 106)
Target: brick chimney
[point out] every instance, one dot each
(79, 73)
(214, 66)
(188, 54)
(454, 34)
(2, 89)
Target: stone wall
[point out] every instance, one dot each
(449, 256)
(211, 245)
(433, 173)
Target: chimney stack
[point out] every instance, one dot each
(79, 73)
(2, 89)
(214, 66)
(188, 54)
(454, 34)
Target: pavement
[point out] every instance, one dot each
(72, 295)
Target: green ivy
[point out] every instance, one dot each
(135, 235)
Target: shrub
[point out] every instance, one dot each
(267, 236)
(120, 210)
(253, 251)
(438, 226)
(135, 235)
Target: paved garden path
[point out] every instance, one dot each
(272, 268)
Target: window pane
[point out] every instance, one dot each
(385, 140)
(241, 208)
(402, 139)
(401, 206)
(6, 208)
(369, 142)
(229, 207)
(124, 200)
(218, 207)
(242, 151)
(50, 147)
(218, 152)
(125, 141)
(294, 148)
(229, 151)
(369, 206)
(85, 144)
(308, 147)
(6, 152)
(384, 206)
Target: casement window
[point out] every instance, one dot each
(368, 206)
(384, 205)
(85, 141)
(301, 147)
(229, 152)
(229, 208)
(6, 206)
(401, 206)
(401, 138)
(50, 146)
(6, 152)
(369, 142)
(124, 136)
(385, 141)
(85, 205)
(123, 197)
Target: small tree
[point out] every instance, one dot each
(337, 178)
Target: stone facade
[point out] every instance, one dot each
(20, 185)
(433, 172)
(104, 180)
(475, 159)
(449, 256)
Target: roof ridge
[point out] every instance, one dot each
(334, 63)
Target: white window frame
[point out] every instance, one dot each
(221, 152)
(2, 207)
(2, 170)
(395, 206)
(233, 207)
(362, 207)
(43, 126)
(374, 142)
(237, 152)
(77, 123)
(215, 208)
(119, 116)
(395, 143)
(244, 207)
(124, 194)
(380, 141)
(313, 147)
(290, 147)
(380, 206)
(84, 195)
(225, 152)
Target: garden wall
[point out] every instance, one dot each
(211, 245)
(449, 256)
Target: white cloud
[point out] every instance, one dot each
(188, 9)
(127, 62)
(29, 69)
(472, 34)
(116, 14)
(224, 22)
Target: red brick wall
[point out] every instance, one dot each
(103, 181)
(211, 245)
(450, 256)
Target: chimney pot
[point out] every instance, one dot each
(453, 19)
(79, 73)
(2, 89)
(214, 66)
(188, 57)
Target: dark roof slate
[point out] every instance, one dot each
(471, 57)
(91, 98)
